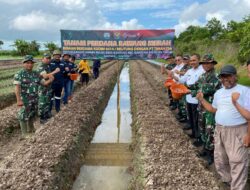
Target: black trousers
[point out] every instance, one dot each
(96, 72)
(56, 96)
(85, 78)
(193, 119)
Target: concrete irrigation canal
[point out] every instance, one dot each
(120, 135)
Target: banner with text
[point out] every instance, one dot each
(118, 44)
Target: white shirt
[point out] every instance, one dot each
(177, 68)
(247, 100)
(189, 78)
(227, 114)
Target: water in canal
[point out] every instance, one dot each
(107, 160)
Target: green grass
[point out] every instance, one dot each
(3, 57)
(243, 76)
(6, 83)
(161, 60)
(9, 73)
(7, 90)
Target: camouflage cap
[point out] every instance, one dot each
(57, 52)
(47, 55)
(28, 58)
(208, 58)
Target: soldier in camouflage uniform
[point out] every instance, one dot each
(208, 84)
(182, 114)
(26, 84)
(45, 92)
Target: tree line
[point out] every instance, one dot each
(23, 47)
(237, 33)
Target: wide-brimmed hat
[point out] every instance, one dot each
(208, 58)
(28, 58)
(57, 52)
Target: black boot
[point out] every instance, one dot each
(210, 157)
(198, 142)
(43, 119)
(48, 115)
(203, 153)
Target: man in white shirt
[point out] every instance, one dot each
(230, 154)
(176, 72)
(189, 78)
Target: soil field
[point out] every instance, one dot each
(52, 158)
(164, 156)
(9, 125)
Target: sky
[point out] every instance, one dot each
(41, 20)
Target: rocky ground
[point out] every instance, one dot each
(164, 155)
(52, 157)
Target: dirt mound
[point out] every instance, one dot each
(164, 156)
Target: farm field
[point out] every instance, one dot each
(153, 124)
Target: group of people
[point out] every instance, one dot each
(217, 111)
(39, 90)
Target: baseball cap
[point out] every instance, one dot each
(228, 70)
(186, 57)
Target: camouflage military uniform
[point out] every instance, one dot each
(44, 92)
(208, 84)
(182, 102)
(170, 66)
(29, 83)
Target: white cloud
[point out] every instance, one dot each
(15, 2)
(38, 20)
(184, 24)
(173, 14)
(71, 4)
(223, 10)
(135, 5)
(220, 15)
(131, 24)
